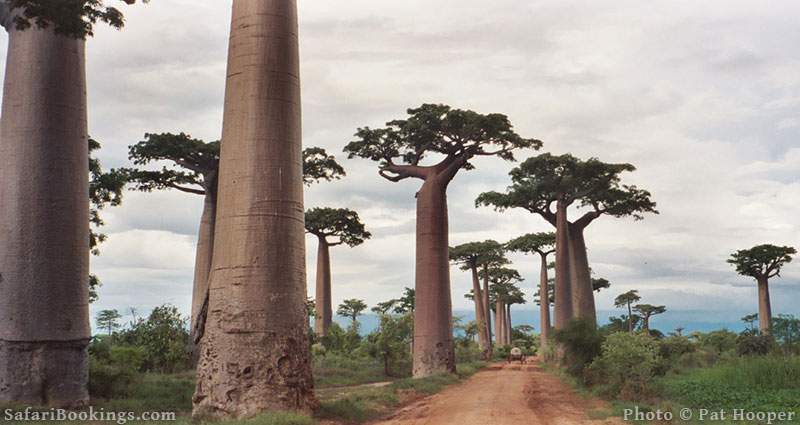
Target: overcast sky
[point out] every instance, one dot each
(703, 97)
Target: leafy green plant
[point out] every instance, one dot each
(626, 366)
(581, 342)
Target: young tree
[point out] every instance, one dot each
(548, 185)
(647, 311)
(626, 300)
(345, 227)
(544, 245)
(402, 147)
(762, 263)
(108, 320)
(750, 320)
(44, 212)
(254, 354)
(105, 189)
(473, 256)
(193, 168)
(351, 308)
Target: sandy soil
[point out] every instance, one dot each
(504, 394)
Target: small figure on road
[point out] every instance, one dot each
(516, 355)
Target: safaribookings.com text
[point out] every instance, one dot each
(30, 414)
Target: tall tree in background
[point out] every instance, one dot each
(105, 189)
(626, 300)
(544, 245)
(455, 136)
(549, 185)
(647, 311)
(254, 354)
(345, 227)
(193, 168)
(108, 320)
(762, 263)
(44, 213)
(502, 293)
(472, 256)
(351, 309)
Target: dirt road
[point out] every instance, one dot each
(505, 394)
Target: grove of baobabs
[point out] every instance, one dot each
(261, 345)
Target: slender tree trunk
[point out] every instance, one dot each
(487, 309)
(480, 315)
(44, 221)
(563, 308)
(509, 325)
(630, 318)
(323, 305)
(764, 307)
(544, 304)
(583, 305)
(255, 353)
(646, 324)
(498, 323)
(433, 317)
(202, 269)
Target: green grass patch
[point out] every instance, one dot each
(336, 370)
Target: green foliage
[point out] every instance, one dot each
(318, 166)
(786, 330)
(71, 18)
(164, 338)
(626, 366)
(673, 347)
(647, 311)
(750, 343)
(108, 320)
(541, 180)
(340, 223)
(457, 134)
(542, 243)
(391, 343)
(582, 343)
(599, 284)
(351, 308)
(720, 341)
(478, 254)
(767, 383)
(762, 261)
(336, 369)
(110, 380)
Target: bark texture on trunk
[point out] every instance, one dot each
(44, 221)
(508, 325)
(480, 314)
(583, 305)
(323, 306)
(764, 306)
(487, 309)
(255, 353)
(202, 269)
(544, 304)
(563, 296)
(433, 317)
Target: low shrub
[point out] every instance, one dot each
(751, 343)
(110, 380)
(626, 366)
(582, 343)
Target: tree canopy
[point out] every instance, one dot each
(542, 243)
(600, 283)
(351, 308)
(195, 164)
(72, 18)
(478, 254)
(762, 261)
(340, 223)
(626, 299)
(540, 181)
(503, 286)
(402, 147)
(402, 305)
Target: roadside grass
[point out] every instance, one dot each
(337, 370)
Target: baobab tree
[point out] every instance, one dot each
(544, 245)
(453, 137)
(762, 263)
(45, 212)
(332, 227)
(646, 311)
(626, 300)
(549, 185)
(750, 321)
(254, 354)
(472, 256)
(503, 292)
(192, 166)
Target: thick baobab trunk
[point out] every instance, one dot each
(500, 323)
(563, 295)
(323, 305)
(544, 304)
(480, 315)
(44, 221)
(764, 307)
(583, 306)
(509, 326)
(255, 353)
(433, 317)
(487, 309)
(202, 269)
